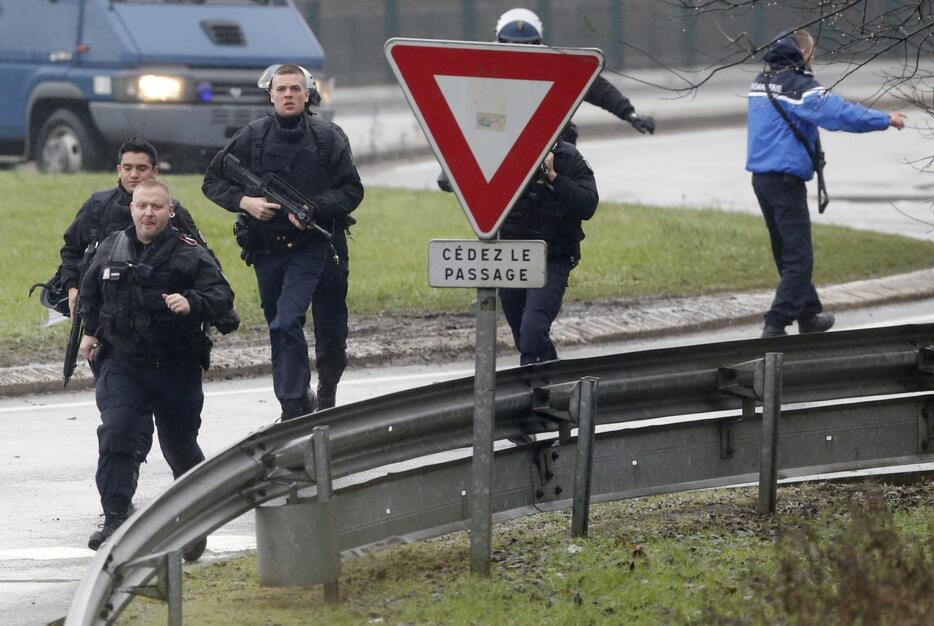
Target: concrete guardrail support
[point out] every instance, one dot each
(297, 543)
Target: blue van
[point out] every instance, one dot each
(80, 76)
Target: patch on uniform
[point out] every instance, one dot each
(187, 239)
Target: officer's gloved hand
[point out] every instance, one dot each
(642, 123)
(444, 184)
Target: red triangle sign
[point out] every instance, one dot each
(491, 112)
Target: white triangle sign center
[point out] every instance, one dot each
(491, 113)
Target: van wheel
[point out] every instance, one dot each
(66, 144)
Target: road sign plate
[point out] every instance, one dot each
(493, 264)
(491, 112)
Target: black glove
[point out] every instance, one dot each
(643, 124)
(443, 183)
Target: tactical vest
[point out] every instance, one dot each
(133, 317)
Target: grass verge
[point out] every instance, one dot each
(833, 554)
(629, 252)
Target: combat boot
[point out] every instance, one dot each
(771, 330)
(112, 522)
(298, 407)
(819, 323)
(327, 395)
(193, 551)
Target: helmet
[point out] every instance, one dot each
(52, 294)
(519, 26)
(265, 82)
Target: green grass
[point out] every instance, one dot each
(697, 558)
(630, 251)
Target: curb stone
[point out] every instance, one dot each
(580, 324)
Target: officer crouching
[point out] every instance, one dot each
(144, 300)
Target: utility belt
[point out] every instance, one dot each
(253, 243)
(129, 352)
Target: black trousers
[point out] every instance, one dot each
(128, 396)
(530, 313)
(287, 280)
(329, 315)
(784, 204)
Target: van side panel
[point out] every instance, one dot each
(25, 55)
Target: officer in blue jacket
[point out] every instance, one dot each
(786, 107)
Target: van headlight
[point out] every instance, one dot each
(160, 88)
(150, 87)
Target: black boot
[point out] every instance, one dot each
(327, 395)
(820, 323)
(193, 551)
(112, 522)
(297, 407)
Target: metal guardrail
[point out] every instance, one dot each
(631, 461)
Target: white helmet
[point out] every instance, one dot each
(265, 82)
(519, 26)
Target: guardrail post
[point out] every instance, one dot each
(771, 410)
(585, 408)
(168, 587)
(298, 544)
(759, 379)
(321, 440)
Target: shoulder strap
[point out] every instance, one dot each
(816, 153)
(122, 250)
(258, 130)
(98, 209)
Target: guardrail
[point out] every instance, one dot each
(632, 460)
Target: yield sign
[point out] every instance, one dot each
(491, 112)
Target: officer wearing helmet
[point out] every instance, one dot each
(523, 26)
(292, 262)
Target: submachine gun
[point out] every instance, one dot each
(272, 187)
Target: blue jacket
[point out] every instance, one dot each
(771, 145)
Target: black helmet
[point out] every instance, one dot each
(52, 294)
(519, 26)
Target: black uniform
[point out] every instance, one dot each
(294, 268)
(551, 211)
(149, 359)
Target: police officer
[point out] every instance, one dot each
(107, 212)
(144, 299)
(523, 26)
(551, 208)
(290, 260)
(786, 107)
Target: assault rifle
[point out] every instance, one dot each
(77, 323)
(274, 189)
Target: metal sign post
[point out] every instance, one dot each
(481, 502)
